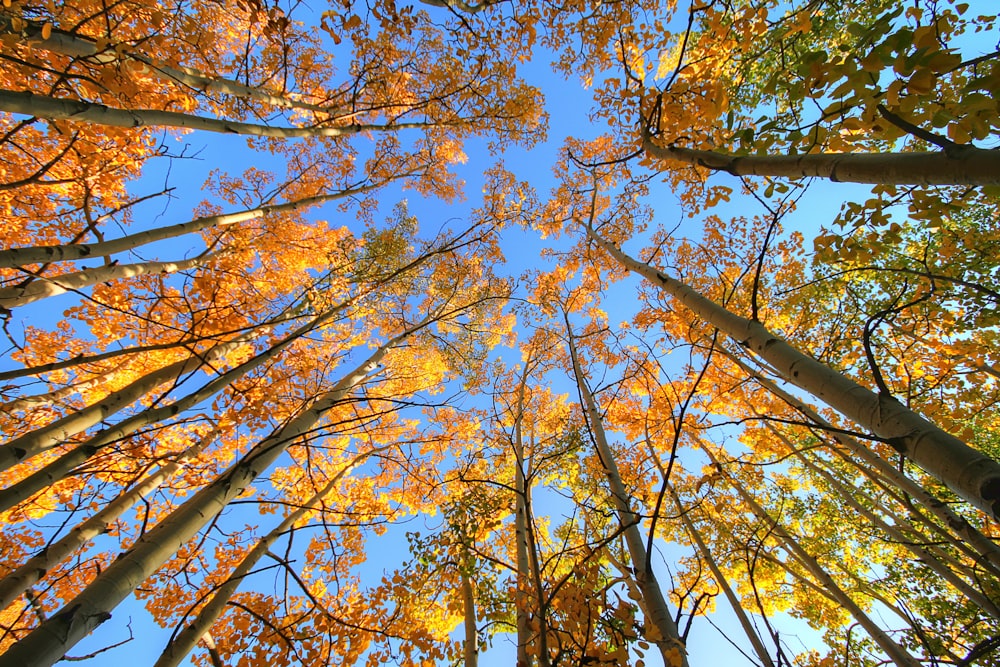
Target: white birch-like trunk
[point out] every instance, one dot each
(720, 579)
(14, 257)
(910, 542)
(665, 636)
(966, 166)
(65, 464)
(57, 108)
(470, 643)
(77, 46)
(521, 498)
(46, 437)
(49, 642)
(34, 569)
(43, 287)
(892, 649)
(980, 547)
(182, 644)
(971, 474)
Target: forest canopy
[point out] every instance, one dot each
(536, 333)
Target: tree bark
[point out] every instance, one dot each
(35, 568)
(65, 464)
(470, 642)
(42, 439)
(984, 550)
(720, 579)
(49, 642)
(521, 505)
(965, 166)
(77, 46)
(43, 287)
(14, 257)
(57, 108)
(666, 636)
(892, 649)
(182, 643)
(971, 474)
(908, 542)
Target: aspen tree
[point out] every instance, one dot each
(972, 475)
(984, 550)
(665, 633)
(968, 166)
(184, 641)
(49, 642)
(895, 652)
(34, 569)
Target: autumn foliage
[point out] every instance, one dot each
(377, 384)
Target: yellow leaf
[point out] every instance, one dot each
(922, 82)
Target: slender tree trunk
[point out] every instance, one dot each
(14, 257)
(982, 549)
(908, 542)
(49, 642)
(57, 108)
(213, 653)
(44, 287)
(182, 643)
(470, 643)
(971, 474)
(53, 397)
(964, 166)
(521, 499)
(65, 464)
(48, 436)
(895, 652)
(76, 46)
(658, 618)
(720, 579)
(35, 568)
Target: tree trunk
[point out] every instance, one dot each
(521, 504)
(182, 644)
(895, 652)
(65, 464)
(76, 46)
(909, 542)
(971, 474)
(48, 436)
(49, 642)
(720, 579)
(14, 257)
(35, 568)
(470, 643)
(57, 108)
(658, 618)
(982, 549)
(43, 287)
(965, 166)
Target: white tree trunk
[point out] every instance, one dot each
(971, 474)
(56, 108)
(49, 642)
(981, 547)
(188, 638)
(14, 257)
(43, 287)
(65, 464)
(35, 568)
(892, 649)
(966, 166)
(665, 636)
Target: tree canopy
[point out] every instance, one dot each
(345, 334)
